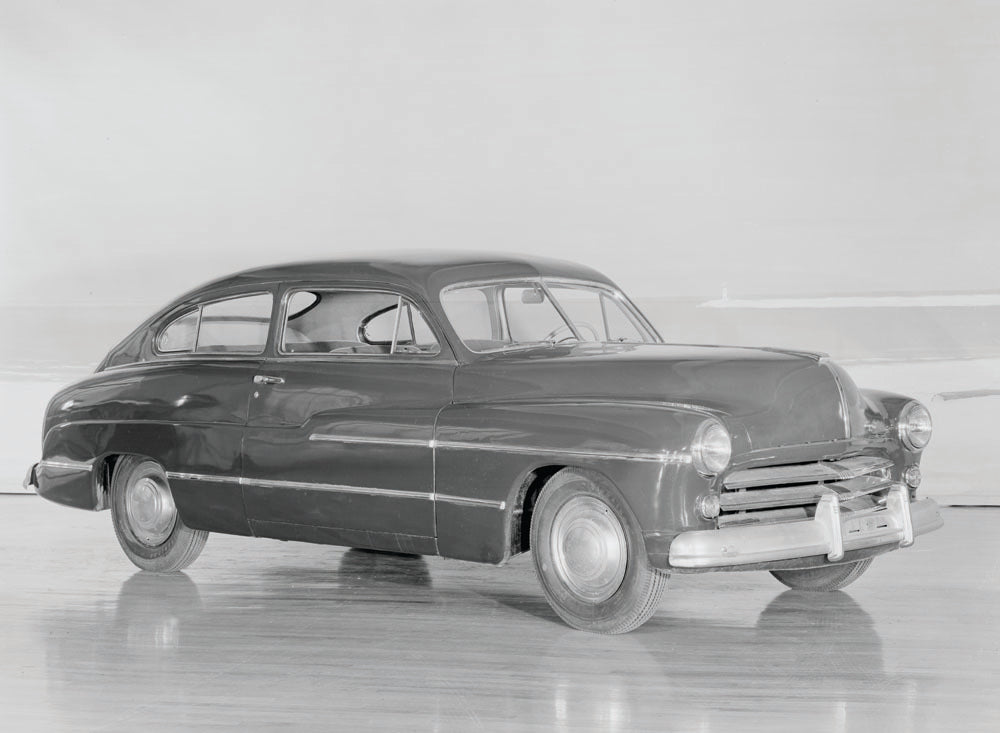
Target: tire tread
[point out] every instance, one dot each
(185, 544)
(647, 584)
(824, 579)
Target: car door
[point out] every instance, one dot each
(191, 403)
(339, 440)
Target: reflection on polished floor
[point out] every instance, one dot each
(263, 635)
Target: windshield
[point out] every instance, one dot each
(497, 316)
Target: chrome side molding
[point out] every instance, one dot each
(66, 465)
(665, 457)
(337, 488)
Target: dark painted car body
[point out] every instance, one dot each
(444, 453)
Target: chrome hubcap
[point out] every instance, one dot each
(588, 548)
(151, 511)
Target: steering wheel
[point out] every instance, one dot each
(551, 335)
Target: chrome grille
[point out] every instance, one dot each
(783, 493)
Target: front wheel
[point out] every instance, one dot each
(145, 518)
(590, 556)
(829, 577)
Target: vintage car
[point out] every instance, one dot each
(477, 407)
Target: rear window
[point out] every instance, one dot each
(231, 326)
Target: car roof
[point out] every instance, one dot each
(426, 272)
(418, 273)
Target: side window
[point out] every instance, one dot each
(402, 328)
(233, 326)
(469, 311)
(180, 334)
(355, 322)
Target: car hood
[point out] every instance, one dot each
(778, 397)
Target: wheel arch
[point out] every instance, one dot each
(526, 496)
(523, 504)
(103, 473)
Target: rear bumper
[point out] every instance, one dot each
(30, 482)
(831, 536)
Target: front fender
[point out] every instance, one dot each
(883, 410)
(484, 452)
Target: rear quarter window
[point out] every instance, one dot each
(180, 334)
(232, 326)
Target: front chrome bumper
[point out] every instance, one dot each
(830, 532)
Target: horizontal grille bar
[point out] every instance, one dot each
(808, 494)
(826, 471)
(791, 492)
(771, 515)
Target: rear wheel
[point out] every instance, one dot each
(829, 577)
(590, 556)
(146, 521)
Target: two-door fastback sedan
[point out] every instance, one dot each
(478, 407)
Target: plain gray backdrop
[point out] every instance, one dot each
(777, 147)
(766, 150)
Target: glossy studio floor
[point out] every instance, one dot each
(263, 635)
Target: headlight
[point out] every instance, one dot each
(712, 448)
(915, 426)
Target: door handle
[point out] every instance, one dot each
(264, 379)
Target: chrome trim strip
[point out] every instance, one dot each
(339, 488)
(663, 457)
(681, 457)
(202, 477)
(846, 416)
(501, 505)
(371, 440)
(68, 465)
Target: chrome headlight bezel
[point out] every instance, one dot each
(915, 426)
(712, 448)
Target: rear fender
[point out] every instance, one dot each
(72, 469)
